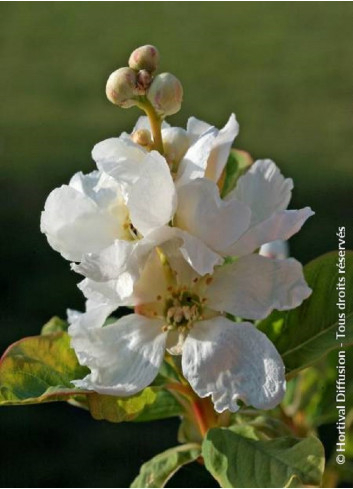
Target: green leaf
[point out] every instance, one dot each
(188, 432)
(54, 325)
(157, 471)
(312, 393)
(150, 404)
(238, 163)
(118, 409)
(264, 426)
(164, 406)
(39, 369)
(307, 333)
(238, 461)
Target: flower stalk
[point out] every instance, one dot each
(204, 415)
(155, 123)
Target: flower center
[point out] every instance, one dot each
(182, 309)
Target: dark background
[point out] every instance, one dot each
(285, 68)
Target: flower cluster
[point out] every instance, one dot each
(150, 229)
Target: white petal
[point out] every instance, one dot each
(108, 264)
(204, 214)
(198, 255)
(124, 357)
(231, 362)
(75, 224)
(201, 258)
(281, 225)
(194, 163)
(195, 128)
(254, 285)
(176, 142)
(113, 293)
(275, 249)
(93, 318)
(121, 158)
(144, 123)
(187, 255)
(152, 199)
(80, 326)
(174, 250)
(264, 189)
(152, 281)
(221, 148)
(98, 186)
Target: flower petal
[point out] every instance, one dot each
(221, 148)
(231, 362)
(187, 255)
(281, 225)
(143, 122)
(254, 285)
(152, 282)
(152, 199)
(75, 224)
(82, 323)
(120, 158)
(204, 214)
(195, 128)
(275, 249)
(124, 357)
(194, 163)
(108, 264)
(201, 258)
(264, 189)
(113, 293)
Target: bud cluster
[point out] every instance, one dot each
(137, 84)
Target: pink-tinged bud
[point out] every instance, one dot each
(121, 87)
(176, 142)
(275, 249)
(142, 137)
(144, 58)
(166, 94)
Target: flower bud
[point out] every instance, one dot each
(142, 137)
(144, 58)
(121, 87)
(176, 142)
(166, 94)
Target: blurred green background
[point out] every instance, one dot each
(285, 68)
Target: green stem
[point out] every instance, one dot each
(156, 124)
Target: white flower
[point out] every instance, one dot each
(110, 220)
(108, 283)
(199, 151)
(253, 214)
(181, 311)
(130, 196)
(96, 210)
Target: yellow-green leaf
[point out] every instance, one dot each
(39, 369)
(157, 471)
(151, 403)
(54, 325)
(235, 460)
(164, 406)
